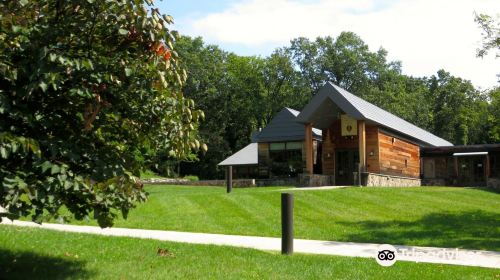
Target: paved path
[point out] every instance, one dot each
(368, 250)
(316, 188)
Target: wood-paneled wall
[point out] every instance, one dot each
(398, 157)
(372, 149)
(333, 139)
(328, 153)
(383, 155)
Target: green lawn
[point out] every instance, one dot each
(425, 216)
(27, 253)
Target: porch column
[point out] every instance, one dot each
(309, 148)
(362, 146)
(487, 167)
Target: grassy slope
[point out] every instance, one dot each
(443, 217)
(27, 253)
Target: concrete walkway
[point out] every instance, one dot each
(316, 188)
(367, 250)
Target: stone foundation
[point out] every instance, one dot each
(238, 183)
(285, 182)
(164, 181)
(381, 180)
(493, 183)
(315, 180)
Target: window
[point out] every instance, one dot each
(286, 159)
(277, 146)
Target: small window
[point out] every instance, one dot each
(294, 145)
(406, 163)
(277, 146)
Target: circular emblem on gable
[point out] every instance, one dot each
(348, 128)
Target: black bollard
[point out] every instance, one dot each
(287, 223)
(229, 177)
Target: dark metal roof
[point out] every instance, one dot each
(450, 150)
(284, 127)
(321, 106)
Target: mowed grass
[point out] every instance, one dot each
(28, 253)
(424, 216)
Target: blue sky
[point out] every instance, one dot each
(426, 35)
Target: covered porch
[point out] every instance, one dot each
(344, 146)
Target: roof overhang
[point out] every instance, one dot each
(469, 154)
(246, 156)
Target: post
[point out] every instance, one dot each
(286, 223)
(362, 149)
(487, 167)
(309, 148)
(229, 178)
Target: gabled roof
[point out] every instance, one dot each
(362, 110)
(245, 156)
(284, 127)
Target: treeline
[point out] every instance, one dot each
(240, 94)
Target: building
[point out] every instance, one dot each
(277, 151)
(341, 139)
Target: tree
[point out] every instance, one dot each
(493, 116)
(457, 109)
(89, 90)
(282, 86)
(491, 34)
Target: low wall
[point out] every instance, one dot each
(185, 182)
(493, 183)
(284, 182)
(164, 181)
(375, 180)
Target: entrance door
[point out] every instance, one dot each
(346, 161)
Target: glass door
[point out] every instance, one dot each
(346, 161)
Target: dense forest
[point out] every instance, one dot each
(240, 94)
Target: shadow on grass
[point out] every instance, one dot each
(28, 265)
(491, 190)
(469, 230)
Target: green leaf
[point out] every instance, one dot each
(122, 31)
(43, 86)
(67, 185)
(128, 72)
(55, 169)
(45, 166)
(16, 28)
(3, 152)
(52, 57)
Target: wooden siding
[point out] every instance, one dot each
(372, 161)
(332, 139)
(398, 157)
(328, 153)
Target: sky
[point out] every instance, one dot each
(425, 35)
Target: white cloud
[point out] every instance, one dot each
(426, 35)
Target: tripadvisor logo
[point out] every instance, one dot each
(386, 255)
